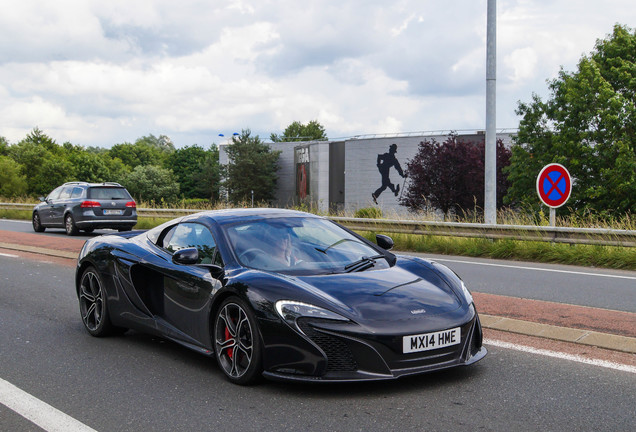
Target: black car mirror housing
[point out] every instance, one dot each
(186, 256)
(384, 241)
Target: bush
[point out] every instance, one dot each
(152, 183)
(12, 183)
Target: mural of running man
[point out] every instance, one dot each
(385, 162)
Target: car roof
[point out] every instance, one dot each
(104, 184)
(244, 214)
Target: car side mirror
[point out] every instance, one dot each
(384, 241)
(42, 199)
(186, 256)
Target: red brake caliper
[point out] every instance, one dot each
(230, 351)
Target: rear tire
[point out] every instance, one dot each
(37, 223)
(69, 225)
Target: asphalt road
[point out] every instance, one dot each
(138, 382)
(584, 286)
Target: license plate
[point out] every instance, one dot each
(431, 341)
(112, 212)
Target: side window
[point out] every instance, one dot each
(187, 235)
(66, 192)
(55, 194)
(77, 192)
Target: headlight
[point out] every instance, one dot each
(467, 295)
(290, 311)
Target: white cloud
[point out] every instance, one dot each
(99, 73)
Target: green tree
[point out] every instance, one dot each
(162, 143)
(588, 124)
(39, 138)
(312, 131)
(252, 166)
(90, 167)
(197, 171)
(152, 183)
(140, 153)
(4, 146)
(55, 171)
(12, 183)
(42, 162)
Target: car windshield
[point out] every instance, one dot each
(301, 246)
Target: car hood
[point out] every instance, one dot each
(392, 294)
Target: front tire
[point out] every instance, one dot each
(69, 225)
(37, 223)
(237, 342)
(93, 306)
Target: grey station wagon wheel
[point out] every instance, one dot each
(37, 223)
(237, 342)
(92, 304)
(69, 225)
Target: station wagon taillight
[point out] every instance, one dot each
(131, 204)
(85, 204)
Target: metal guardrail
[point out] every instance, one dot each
(593, 236)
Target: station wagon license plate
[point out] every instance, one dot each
(431, 341)
(112, 212)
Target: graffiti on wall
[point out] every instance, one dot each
(385, 162)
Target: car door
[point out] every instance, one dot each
(58, 205)
(188, 289)
(45, 208)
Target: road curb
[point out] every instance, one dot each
(39, 250)
(564, 334)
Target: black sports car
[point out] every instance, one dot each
(280, 293)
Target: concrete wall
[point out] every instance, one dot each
(362, 176)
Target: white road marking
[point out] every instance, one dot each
(564, 356)
(9, 255)
(535, 268)
(42, 414)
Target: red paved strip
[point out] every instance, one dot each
(63, 242)
(564, 315)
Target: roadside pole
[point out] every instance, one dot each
(490, 172)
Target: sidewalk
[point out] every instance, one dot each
(602, 328)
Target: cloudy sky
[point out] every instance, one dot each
(107, 72)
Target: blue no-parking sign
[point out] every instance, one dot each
(554, 185)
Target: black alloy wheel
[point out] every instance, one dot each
(92, 304)
(69, 225)
(237, 342)
(37, 223)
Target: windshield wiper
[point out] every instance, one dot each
(335, 244)
(362, 264)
